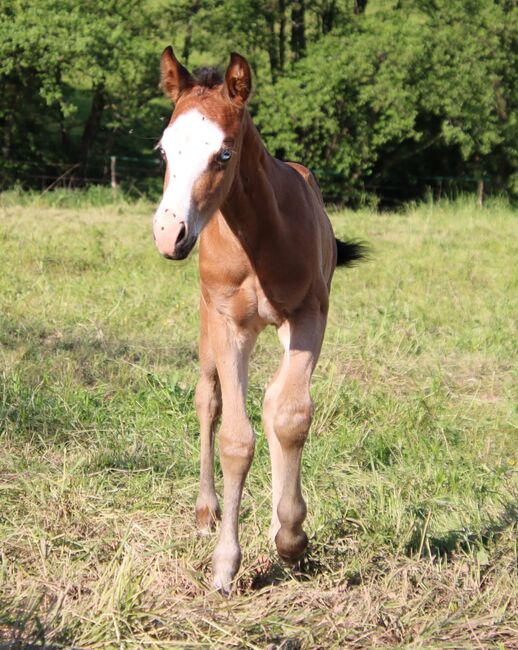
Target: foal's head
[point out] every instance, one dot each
(200, 146)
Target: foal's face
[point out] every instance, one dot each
(200, 147)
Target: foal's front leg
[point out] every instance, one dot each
(232, 347)
(208, 407)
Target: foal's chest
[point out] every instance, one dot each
(229, 282)
(246, 305)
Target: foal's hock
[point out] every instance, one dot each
(267, 256)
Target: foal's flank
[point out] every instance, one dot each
(267, 257)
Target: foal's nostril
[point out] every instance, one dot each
(182, 234)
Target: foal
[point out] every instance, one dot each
(267, 256)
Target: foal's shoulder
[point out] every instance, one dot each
(307, 175)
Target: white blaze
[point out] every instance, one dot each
(189, 143)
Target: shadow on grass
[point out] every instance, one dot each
(421, 545)
(460, 540)
(59, 382)
(24, 630)
(278, 572)
(39, 342)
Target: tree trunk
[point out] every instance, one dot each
(186, 51)
(272, 44)
(92, 126)
(66, 144)
(480, 192)
(282, 33)
(298, 30)
(359, 6)
(328, 17)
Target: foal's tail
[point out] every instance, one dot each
(348, 253)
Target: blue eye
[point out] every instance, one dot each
(225, 155)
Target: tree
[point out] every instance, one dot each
(88, 66)
(340, 106)
(384, 100)
(468, 81)
(401, 96)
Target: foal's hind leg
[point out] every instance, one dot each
(269, 406)
(292, 415)
(208, 407)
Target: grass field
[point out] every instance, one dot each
(410, 471)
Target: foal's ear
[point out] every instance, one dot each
(238, 79)
(174, 78)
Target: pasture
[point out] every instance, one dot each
(410, 472)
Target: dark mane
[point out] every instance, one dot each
(208, 76)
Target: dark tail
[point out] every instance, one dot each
(348, 253)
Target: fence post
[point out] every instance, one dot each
(480, 192)
(113, 172)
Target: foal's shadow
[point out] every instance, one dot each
(270, 571)
(273, 571)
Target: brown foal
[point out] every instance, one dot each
(267, 256)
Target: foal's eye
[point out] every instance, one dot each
(225, 155)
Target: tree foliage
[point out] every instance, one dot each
(73, 75)
(385, 96)
(402, 95)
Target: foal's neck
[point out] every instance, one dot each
(250, 207)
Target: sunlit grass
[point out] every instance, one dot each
(410, 471)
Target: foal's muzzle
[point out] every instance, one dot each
(173, 239)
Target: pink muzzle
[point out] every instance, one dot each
(169, 236)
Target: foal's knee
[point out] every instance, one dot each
(292, 420)
(236, 446)
(208, 396)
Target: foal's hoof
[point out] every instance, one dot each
(291, 546)
(223, 586)
(207, 517)
(225, 565)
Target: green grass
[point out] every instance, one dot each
(410, 471)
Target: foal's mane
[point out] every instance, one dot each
(208, 76)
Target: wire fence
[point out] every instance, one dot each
(144, 174)
(106, 170)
